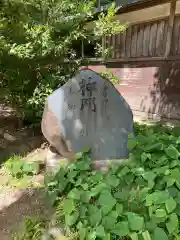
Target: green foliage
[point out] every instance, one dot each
(36, 39)
(33, 229)
(110, 76)
(136, 201)
(18, 168)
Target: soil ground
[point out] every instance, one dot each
(17, 204)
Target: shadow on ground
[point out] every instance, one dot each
(23, 203)
(14, 138)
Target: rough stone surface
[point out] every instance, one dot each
(88, 112)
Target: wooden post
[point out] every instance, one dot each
(170, 27)
(103, 47)
(82, 49)
(99, 5)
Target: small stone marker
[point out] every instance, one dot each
(88, 111)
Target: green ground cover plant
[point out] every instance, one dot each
(18, 168)
(20, 173)
(136, 201)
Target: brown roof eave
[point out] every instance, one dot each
(141, 4)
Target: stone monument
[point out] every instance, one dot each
(88, 111)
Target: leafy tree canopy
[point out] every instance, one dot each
(36, 37)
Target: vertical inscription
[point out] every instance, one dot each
(88, 104)
(87, 94)
(104, 103)
(105, 97)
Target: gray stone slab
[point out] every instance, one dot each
(92, 113)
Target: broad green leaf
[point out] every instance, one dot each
(68, 206)
(85, 186)
(161, 170)
(151, 225)
(86, 150)
(133, 194)
(138, 171)
(107, 237)
(132, 142)
(177, 182)
(145, 156)
(98, 189)
(83, 166)
(62, 184)
(149, 176)
(159, 233)
(106, 201)
(161, 161)
(85, 196)
(52, 196)
(119, 208)
(79, 155)
(159, 220)
(160, 213)
(97, 178)
(172, 152)
(174, 163)
(146, 235)
(71, 219)
(82, 211)
(158, 197)
(100, 232)
(72, 174)
(150, 210)
(141, 182)
(173, 191)
(156, 146)
(169, 181)
(121, 229)
(108, 222)
(136, 222)
(82, 233)
(143, 193)
(75, 194)
(173, 223)
(122, 195)
(133, 236)
(112, 180)
(170, 205)
(91, 235)
(123, 172)
(95, 215)
(113, 214)
(175, 173)
(129, 178)
(151, 184)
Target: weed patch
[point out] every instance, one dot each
(138, 201)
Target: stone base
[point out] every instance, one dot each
(54, 160)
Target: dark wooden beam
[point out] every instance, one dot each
(135, 59)
(170, 28)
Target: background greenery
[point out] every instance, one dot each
(36, 38)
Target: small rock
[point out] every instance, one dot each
(9, 137)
